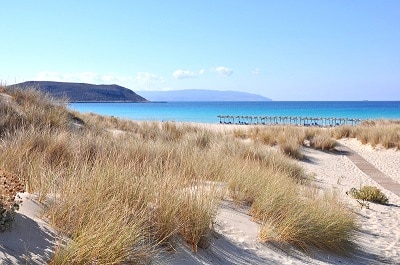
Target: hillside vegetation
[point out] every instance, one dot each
(121, 190)
(80, 92)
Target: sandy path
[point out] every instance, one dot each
(386, 160)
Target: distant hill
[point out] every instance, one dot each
(200, 95)
(81, 92)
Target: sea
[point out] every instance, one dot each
(208, 112)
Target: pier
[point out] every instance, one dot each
(287, 120)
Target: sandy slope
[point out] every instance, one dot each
(378, 237)
(379, 234)
(31, 240)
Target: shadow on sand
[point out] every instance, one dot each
(27, 242)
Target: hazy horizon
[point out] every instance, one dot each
(283, 50)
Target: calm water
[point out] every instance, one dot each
(207, 112)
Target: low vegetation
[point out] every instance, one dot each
(289, 139)
(120, 190)
(322, 222)
(323, 141)
(369, 193)
(378, 132)
(10, 185)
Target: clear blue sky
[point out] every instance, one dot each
(285, 50)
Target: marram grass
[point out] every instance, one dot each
(125, 188)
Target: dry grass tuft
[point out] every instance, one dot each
(345, 131)
(384, 132)
(238, 133)
(323, 141)
(320, 221)
(323, 224)
(378, 132)
(290, 147)
(114, 237)
(28, 108)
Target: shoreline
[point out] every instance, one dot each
(208, 112)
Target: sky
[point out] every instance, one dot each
(284, 50)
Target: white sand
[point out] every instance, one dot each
(386, 160)
(235, 240)
(379, 234)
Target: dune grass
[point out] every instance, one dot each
(323, 141)
(289, 211)
(289, 139)
(321, 222)
(119, 189)
(378, 132)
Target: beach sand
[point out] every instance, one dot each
(31, 239)
(235, 240)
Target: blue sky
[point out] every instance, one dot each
(284, 50)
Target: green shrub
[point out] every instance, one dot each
(7, 216)
(369, 193)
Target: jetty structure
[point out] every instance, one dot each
(287, 120)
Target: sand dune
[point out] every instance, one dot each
(378, 237)
(379, 234)
(235, 238)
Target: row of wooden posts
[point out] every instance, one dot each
(286, 120)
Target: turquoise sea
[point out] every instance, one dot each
(207, 112)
